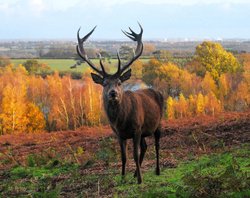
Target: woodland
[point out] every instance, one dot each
(55, 140)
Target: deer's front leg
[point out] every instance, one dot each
(136, 141)
(123, 145)
(143, 146)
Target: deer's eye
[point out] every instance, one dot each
(119, 83)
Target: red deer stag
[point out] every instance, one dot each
(132, 115)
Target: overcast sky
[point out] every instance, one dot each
(60, 19)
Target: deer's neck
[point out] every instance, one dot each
(115, 111)
(112, 110)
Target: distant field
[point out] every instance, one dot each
(64, 64)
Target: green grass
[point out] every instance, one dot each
(33, 181)
(217, 175)
(64, 64)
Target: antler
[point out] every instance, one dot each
(81, 52)
(135, 37)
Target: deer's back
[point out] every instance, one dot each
(151, 97)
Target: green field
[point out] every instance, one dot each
(64, 64)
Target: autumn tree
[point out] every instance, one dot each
(150, 71)
(68, 100)
(93, 105)
(55, 117)
(183, 106)
(13, 104)
(14, 109)
(169, 78)
(215, 59)
(212, 105)
(224, 88)
(243, 95)
(200, 104)
(195, 67)
(35, 117)
(191, 105)
(170, 108)
(38, 92)
(208, 84)
(137, 69)
(171, 74)
(189, 83)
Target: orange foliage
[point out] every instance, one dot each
(16, 113)
(30, 103)
(200, 104)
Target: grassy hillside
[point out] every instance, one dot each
(200, 157)
(216, 175)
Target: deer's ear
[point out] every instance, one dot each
(126, 75)
(97, 79)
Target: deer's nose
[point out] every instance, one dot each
(112, 93)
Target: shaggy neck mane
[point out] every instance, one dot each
(119, 110)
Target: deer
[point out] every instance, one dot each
(131, 114)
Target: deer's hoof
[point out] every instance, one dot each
(157, 172)
(135, 174)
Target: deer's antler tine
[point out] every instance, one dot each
(129, 35)
(101, 63)
(138, 38)
(119, 62)
(86, 36)
(132, 32)
(81, 52)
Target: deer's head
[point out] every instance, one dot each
(111, 83)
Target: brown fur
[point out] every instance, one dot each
(137, 116)
(140, 110)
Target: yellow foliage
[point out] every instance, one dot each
(191, 105)
(14, 109)
(208, 84)
(36, 121)
(170, 108)
(137, 69)
(93, 102)
(216, 59)
(183, 106)
(212, 104)
(200, 104)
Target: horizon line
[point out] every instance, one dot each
(184, 39)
